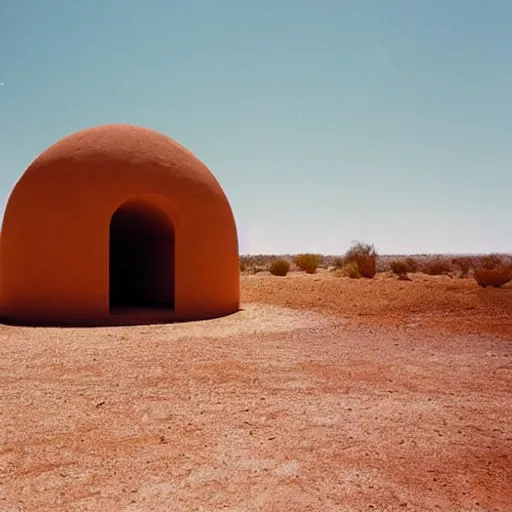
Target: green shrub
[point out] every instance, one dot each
(351, 270)
(279, 267)
(365, 256)
(399, 267)
(308, 262)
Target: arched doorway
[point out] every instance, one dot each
(141, 258)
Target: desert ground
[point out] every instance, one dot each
(323, 393)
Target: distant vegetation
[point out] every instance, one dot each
(436, 267)
(362, 260)
(412, 265)
(493, 270)
(279, 267)
(308, 262)
(351, 270)
(399, 267)
(364, 256)
(463, 264)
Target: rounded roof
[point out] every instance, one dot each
(54, 243)
(122, 145)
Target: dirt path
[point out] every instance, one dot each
(268, 410)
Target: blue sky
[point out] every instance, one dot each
(386, 121)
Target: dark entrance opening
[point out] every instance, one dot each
(141, 258)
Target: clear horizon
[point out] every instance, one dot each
(383, 122)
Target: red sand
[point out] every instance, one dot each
(373, 395)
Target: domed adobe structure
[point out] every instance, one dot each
(117, 225)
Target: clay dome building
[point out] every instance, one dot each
(117, 225)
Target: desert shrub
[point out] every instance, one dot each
(495, 277)
(365, 256)
(308, 262)
(249, 262)
(463, 264)
(279, 267)
(489, 262)
(412, 265)
(338, 263)
(492, 270)
(255, 263)
(436, 267)
(399, 267)
(351, 270)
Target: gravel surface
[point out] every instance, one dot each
(270, 409)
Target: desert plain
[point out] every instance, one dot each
(323, 393)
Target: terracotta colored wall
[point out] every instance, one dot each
(55, 236)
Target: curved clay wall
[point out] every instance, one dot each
(116, 225)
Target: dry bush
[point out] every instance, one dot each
(490, 261)
(254, 263)
(351, 270)
(338, 263)
(399, 267)
(279, 267)
(492, 270)
(463, 264)
(308, 262)
(436, 267)
(495, 277)
(412, 265)
(365, 256)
